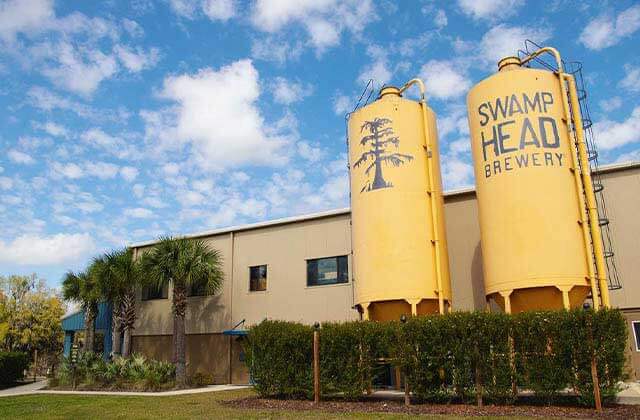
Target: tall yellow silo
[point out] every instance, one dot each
(528, 150)
(400, 256)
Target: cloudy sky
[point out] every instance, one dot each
(125, 120)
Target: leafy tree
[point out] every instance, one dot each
(83, 288)
(30, 316)
(380, 139)
(119, 276)
(184, 263)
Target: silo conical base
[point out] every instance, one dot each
(541, 298)
(392, 310)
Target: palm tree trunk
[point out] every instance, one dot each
(116, 320)
(89, 330)
(129, 319)
(179, 338)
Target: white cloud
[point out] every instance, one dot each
(610, 104)
(503, 40)
(342, 104)
(138, 213)
(20, 157)
(69, 170)
(223, 130)
(137, 59)
(457, 172)
(444, 79)
(128, 173)
(214, 9)
(23, 16)
(219, 9)
(440, 19)
(6, 183)
(612, 134)
(54, 129)
(97, 137)
(101, 170)
(607, 30)
(323, 20)
(631, 81)
(492, 10)
(308, 152)
(275, 49)
(412, 46)
(79, 70)
(132, 27)
(287, 92)
(378, 68)
(46, 250)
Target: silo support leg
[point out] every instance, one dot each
(414, 306)
(565, 296)
(506, 295)
(365, 310)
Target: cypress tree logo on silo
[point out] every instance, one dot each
(379, 140)
(516, 133)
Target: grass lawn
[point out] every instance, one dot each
(205, 405)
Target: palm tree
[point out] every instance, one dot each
(379, 140)
(82, 288)
(184, 263)
(119, 276)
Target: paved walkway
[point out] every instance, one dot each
(630, 393)
(24, 389)
(36, 388)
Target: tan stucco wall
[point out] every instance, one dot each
(285, 249)
(205, 314)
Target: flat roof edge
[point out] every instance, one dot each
(615, 167)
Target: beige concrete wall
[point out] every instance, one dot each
(622, 195)
(205, 314)
(285, 249)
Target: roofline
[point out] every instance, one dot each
(615, 167)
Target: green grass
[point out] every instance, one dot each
(206, 405)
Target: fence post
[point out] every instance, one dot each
(316, 363)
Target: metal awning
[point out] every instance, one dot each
(235, 332)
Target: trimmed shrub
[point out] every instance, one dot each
(463, 356)
(279, 356)
(12, 366)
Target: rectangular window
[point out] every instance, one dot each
(258, 278)
(636, 333)
(151, 292)
(323, 271)
(198, 289)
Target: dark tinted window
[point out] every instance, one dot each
(151, 292)
(636, 333)
(198, 289)
(258, 278)
(323, 271)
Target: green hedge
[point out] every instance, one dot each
(463, 356)
(12, 366)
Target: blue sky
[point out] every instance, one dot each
(125, 120)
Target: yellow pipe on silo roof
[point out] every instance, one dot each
(399, 242)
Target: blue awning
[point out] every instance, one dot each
(235, 332)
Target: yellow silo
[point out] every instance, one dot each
(528, 150)
(399, 246)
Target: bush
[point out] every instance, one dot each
(12, 366)
(135, 372)
(463, 356)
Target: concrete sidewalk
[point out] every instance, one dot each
(37, 388)
(24, 389)
(630, 394)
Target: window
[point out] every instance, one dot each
(258, 278)
(324, 271)
(636, 333)
(198, 289)
(152, 292)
